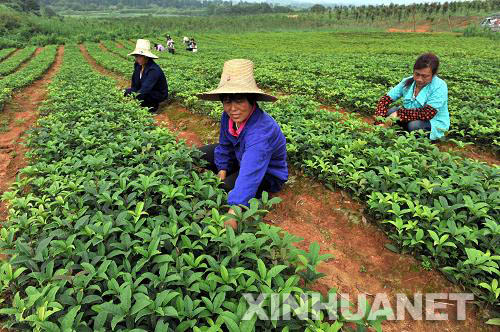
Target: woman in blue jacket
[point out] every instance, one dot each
(425, 99)
(251, 155)
(148, 79)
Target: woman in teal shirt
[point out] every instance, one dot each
(425, 99)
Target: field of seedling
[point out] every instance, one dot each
(111, 224)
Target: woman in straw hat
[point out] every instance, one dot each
(251, 155)
(148, 80)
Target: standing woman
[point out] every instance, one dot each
(148, 79)
(425, 99)
(251, 154)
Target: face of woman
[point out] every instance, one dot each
(141, 59)
(422, 77)
(237, 107)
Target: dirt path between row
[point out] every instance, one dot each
(19, 115)
(122, 82)
(11, 54)
(361, 264)
(25, 63)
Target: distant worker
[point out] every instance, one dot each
(192, 47)
(159, 47)
(170, 46)
(185, 40)
(251, 154)
(425, 100)
(148, 80)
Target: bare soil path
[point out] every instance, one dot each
(361, 264)
(11, 54)
(25, 63)
(19, 115)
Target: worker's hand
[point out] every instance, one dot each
(231, 222)
(222, 174)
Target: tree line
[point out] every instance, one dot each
(210, 7)
(221, 7)
(403, 11)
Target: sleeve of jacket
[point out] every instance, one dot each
(437, 99)
(383, 106)
(411, 114)
(397, 92)
(253, 167)
(135, 83)
(149, 82)
(224, 152)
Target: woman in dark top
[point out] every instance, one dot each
(148, 80)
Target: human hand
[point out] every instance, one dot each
(231, 222)
(222, 174)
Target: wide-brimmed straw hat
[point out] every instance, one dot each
(237, 77)
(143, 47)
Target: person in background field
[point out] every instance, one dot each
(170, 46)
(425, 100)
(159, 47)
(192, 47)
(148, 80)
(185, 40)
(251, 154)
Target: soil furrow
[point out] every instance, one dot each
(19, 115)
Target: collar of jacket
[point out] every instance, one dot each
(147, 66)
(252, 120)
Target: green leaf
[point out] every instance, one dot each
(230, 322)
(493, 321)
(68, 319)
(126, 298)
(420, 234)
(141, 302)
(392, 247)
(161, 326)
(262, 269)
(274, 271)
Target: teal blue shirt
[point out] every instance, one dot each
(434, 94)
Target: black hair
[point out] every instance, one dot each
(252, 98)
(427, 60)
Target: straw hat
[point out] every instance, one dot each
(237, 77)
(143, 47)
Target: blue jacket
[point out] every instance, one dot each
(152, 84)
(259, 150)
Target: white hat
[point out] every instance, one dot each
(143, 47)
(237, 77)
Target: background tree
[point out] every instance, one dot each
(318, 8)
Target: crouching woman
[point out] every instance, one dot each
(425, 100)
(251, 154)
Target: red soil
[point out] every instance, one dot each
(471, 151)
(122, 82)
(21, 114)
(364, 118)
